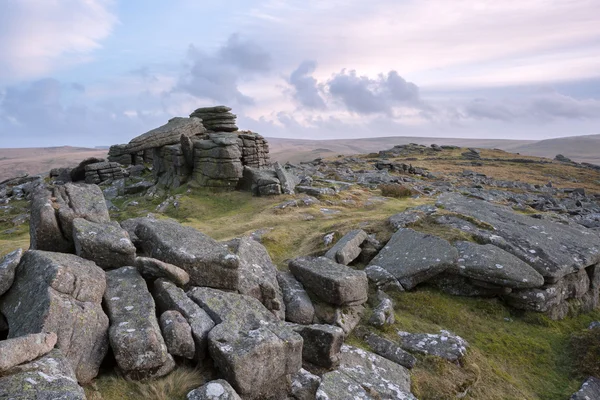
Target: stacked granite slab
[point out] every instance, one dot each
(255, 150)
(103, 171)
(216, 119)
(218, 160)
(169, 166)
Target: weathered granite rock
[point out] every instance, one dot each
(552, 249)
(457, 285)
(169, 166)
(258, 274)
(298, 306)
(8, 266)
(330, 281)
(322, 344)
(413, 257)
(345, 317)
(261, 182)
(382, 279)
(214, 390)
(364, 375)
(103, 171)
(218, 119)
(388, 349)
(347, 249)
(287, 181)
(445, 345)
(107, 244)
(170, 297)
(305, 385)
(135, 336)
(177, 334)
(130, 225)
(257, 361)
(24, 349)
(53, 212)
(48, 378)
(383, 313)
(208, 262)
(78, 173)
(405, 218)
(68, 294)
(151, 268)
(590, 390)
(489, 263)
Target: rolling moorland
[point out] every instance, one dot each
(512, 353)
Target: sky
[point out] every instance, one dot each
(100, 72)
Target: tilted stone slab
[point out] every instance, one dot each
(8, 266)
(347, 249)
(364, 375)
(61, 293)
(207, 262)
(170, 297)
(135, 336)
(107, 244)
(25, 348)
(151, 268)
(552, 249)
(414, 257)
(331, 282)
(298, 306)
(48, 378)
(489, 263)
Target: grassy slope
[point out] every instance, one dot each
(513, 355)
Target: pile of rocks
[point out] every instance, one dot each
(255, 150)
(217, 303)
(103, 171)
(216, 119)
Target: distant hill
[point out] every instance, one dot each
(577, 148)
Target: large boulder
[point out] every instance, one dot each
(135, 336)
(207, 262)
(258, 274)
(107, 244)
(169, 297)
(331, 282)
(25, 348)
(347, 249)
(488, 263)
(61, 293)
(298, 306)
(48, 378)
(364, 375)
(413, 257)
(177, 334)
(322, 344)
(8, 266)
(552, 249)
(53, 211)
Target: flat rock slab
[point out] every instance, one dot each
(298, 306)
(170, 297)
(135, 336)
(214, 390)
(413, 257)
(552, 249)
(347, 249)
(167, 134)
(233, 308)
(257, 362)
(107, 244)
(68, 293)
(25, 348)
(332, 282)
(390, 350)
(445, 344)
(489, 263)
(48, 378)
(207, 262)
(8, 266)
(151, 268)
(364, 375)
(590, 390)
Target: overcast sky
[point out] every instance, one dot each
(100, 72)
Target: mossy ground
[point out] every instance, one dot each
(512, 355)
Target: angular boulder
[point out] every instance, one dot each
(347, 249)
(364, 375)
(25, 348)
(170, 297)
(107, 244)
(331, 282)
(214, 390)
(8, 266)
(298, 306)
(151, 268)
(305, 385)
(135, 336)
(413, 257)
(207, 262)
(68, 294)
(47, 378)
(322, 344)
(177, 334)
